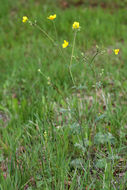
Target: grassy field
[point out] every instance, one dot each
(56, 134)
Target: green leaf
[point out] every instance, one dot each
(80, 146)
(39, 183)
(99, 118)
(75, 128)
(101, 138)
(101, 163)
(77, 163)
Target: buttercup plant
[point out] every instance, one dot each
(76, 28)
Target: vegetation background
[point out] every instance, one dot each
(56, 137)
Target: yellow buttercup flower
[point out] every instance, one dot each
(52, 17)
(65, 44)
(116, 51)
(24, 19)
(75, 25)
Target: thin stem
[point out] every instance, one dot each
(54, 87)
(96, 79)
(80, 125)
(55, 30)
(72, 58)
(81, 131)
(45, 33)
(57, 42)
(94, 57)
(94, 72)
(43, 75)
(92, 62)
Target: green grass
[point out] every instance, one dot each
(85, 143)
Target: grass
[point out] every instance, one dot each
(59, 137)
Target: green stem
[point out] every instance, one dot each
(55, 30)
(94, 57)
(72, 58)
(80, 124)
(45, 33)
(96, 79)
(60, 51)
(92, 62)
(54, 87)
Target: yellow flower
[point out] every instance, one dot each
(51, 17)
(75, 25)
(116, 51)
(24, 19)
(65, 44)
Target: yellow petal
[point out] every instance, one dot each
(64, 46)
(52, 17)
(75, 25)
(24, 19)
(116, 51)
